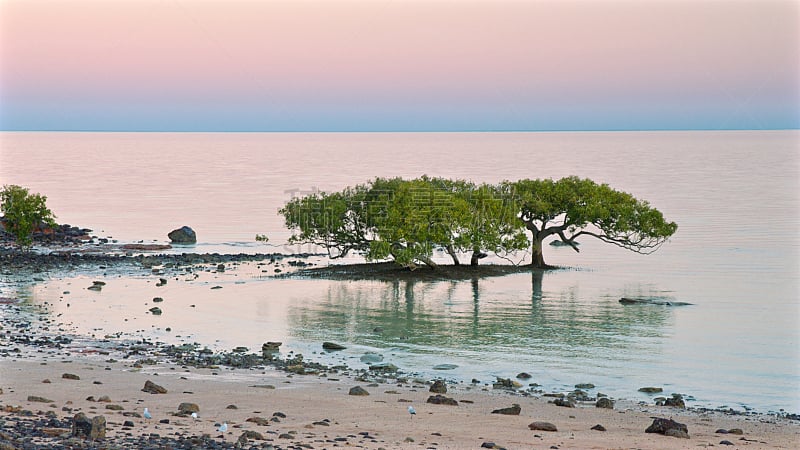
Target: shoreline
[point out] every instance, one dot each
(293, 403)
(308, 393)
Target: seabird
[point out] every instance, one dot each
(147, 414)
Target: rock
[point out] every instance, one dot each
(153, 388)
(146, 247)
(438, 387)
(584, 386)
(358, 390)
(604, 402)
(94, 428)
(269, 347)
(736, 431)
(332, 346)
(255, 435)
(651, 301)
(156, 311)
(445, 366)
(157, 299)
(70, 376)
(231, 406)
(524, 376)
(188, 408)
(513, 410)
(676, 401)
(542, 426)
(258, 421)
(565, 402)
(38, 399)
(128, 424)
(183, 235)
(598, 427)
(442, 400)
(676, 433)
(726, 442)
(220, 267)
(651, 390)
(661, 426)
(506, 383)
(384, 367)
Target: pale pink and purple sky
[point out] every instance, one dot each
(381, 65)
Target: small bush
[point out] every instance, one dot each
(23, 213)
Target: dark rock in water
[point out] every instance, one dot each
(676, 401)
(384, 367)
(445, 367)
(506, 383)
(442, 400)
(153, 388)
(651, 301)
(358, 390)
(661, 426)
(94, 428)
(542, 426)
(220, 267)
(584, 386)
(513, 410)
(598, 427)
(524, 376)
(371, 358)
(438, 387)
(183, 235)
(157, 299)
(188, 408)
(155, 310)
(271, 346)
(560, 243)
(604, 402)
(332, 346)
(651, 390)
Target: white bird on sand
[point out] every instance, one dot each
(412, 411)
(147, 414)
(195, 416)
(224, 427)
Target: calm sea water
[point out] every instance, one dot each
(735, 256)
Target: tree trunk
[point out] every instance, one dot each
(477, 255)
(428, 262)
(453, 255)
(537, 258)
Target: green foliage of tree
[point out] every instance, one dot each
(407, 220)
(572, 207)
(24, 212)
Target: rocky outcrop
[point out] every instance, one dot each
(183, 235)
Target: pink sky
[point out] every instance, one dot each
(396, 65)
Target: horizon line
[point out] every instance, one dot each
(564, 130)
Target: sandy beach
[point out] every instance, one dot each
(43, 389)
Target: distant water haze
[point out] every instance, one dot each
(734, 195)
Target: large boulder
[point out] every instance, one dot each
(183, 235)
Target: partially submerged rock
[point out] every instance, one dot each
(651, 301)
(183, 235)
